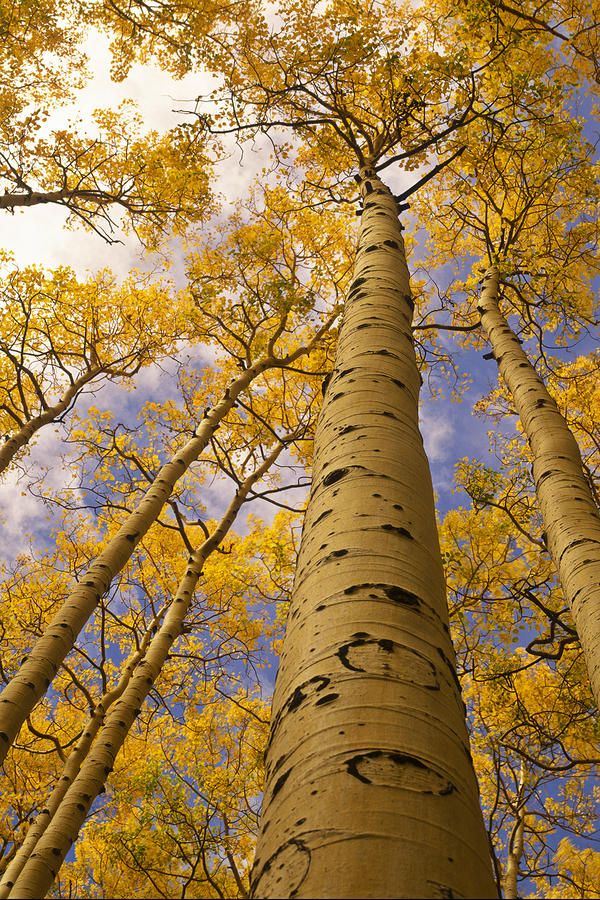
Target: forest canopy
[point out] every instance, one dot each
(300, 448)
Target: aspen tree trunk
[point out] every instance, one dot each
(515, 852)
(73, 765)
(568, 508)
(42, 867)
(38, 670)
(370, 787)
(516, 845)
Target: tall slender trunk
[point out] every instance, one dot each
(55, 841)
(36, 673)
(568, 508)
(510, 888)
(370, 786)
(516, 844)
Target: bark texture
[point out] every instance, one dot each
(40, 870)
(568, 508)
(37, 672)
(370, 787)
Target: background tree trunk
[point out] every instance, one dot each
(566, 502)
(86, 778)
(38, 670)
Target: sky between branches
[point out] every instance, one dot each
(39, 236)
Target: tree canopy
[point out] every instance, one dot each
(218, 443)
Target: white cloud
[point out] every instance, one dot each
(437, 430)
(156, 93)
(38, 236)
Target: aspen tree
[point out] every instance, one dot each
(370, 790)
(86, 778)
(74, 762)
(518, 204)
(532, 715)
(569, 510)
(39, 669)
(516, 842)
(367, 692)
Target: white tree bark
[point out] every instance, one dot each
(568, 508)
(370, 787)
(73, 764)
